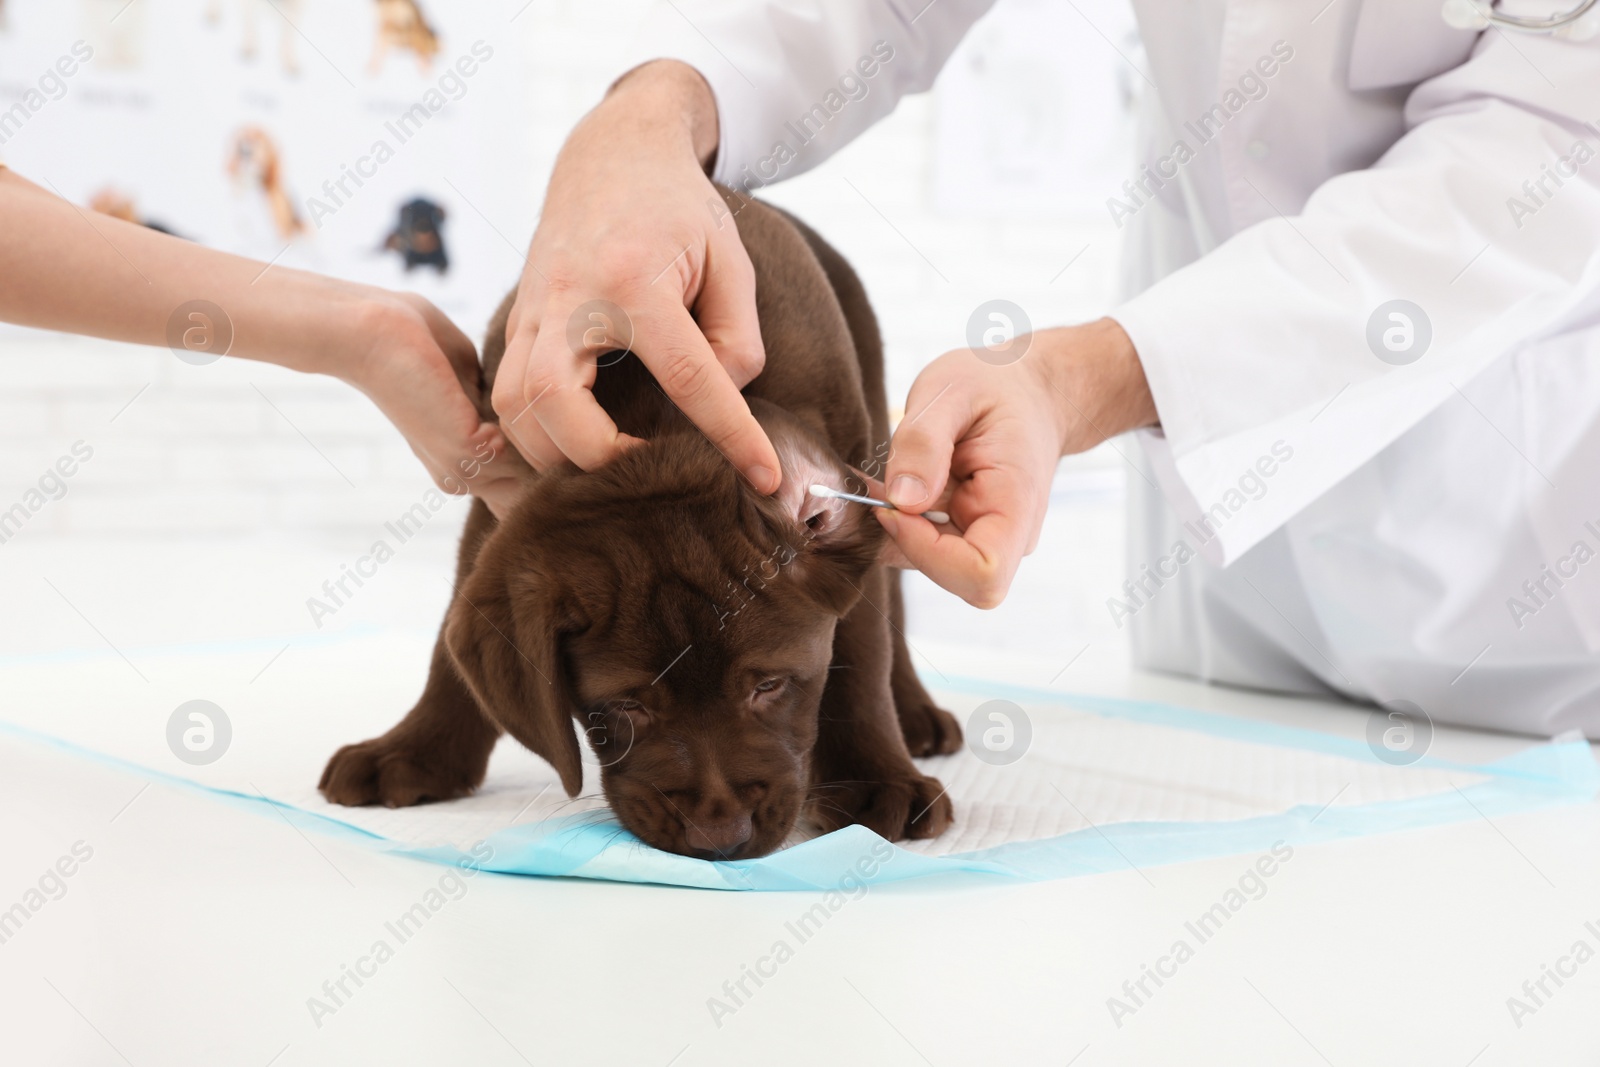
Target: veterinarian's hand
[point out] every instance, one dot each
(630, 221)
(982, 442)
(422, 372)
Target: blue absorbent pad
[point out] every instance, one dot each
(1104, 785)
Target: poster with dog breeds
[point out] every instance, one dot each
(249, 17)
(361, 138)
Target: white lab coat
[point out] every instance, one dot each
(1417, 532)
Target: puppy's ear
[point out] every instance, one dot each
(838, 541)
(504, 631)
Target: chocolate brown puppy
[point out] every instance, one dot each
(735, 661)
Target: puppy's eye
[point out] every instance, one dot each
(627, 713)
(766, 689)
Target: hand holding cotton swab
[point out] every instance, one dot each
(938, 517)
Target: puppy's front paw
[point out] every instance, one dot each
(914, 806)
(929, 730)
(385, 772)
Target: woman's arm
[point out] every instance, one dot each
(65, 268)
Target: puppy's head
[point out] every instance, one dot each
(681, 623)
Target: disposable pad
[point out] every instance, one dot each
(1104, 785)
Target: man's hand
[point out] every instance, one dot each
(987, 439)
(631, 222)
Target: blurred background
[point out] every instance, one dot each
(220, 497)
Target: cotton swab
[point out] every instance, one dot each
(938, 517)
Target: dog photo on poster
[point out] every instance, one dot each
(361, 138)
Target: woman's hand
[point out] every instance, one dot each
(631, 222)
(62, 268)
(422, 372)
(982, 442)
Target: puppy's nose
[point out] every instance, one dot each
(718, 836)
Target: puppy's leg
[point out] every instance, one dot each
(929, 730)
(441, 748)
(861, 771)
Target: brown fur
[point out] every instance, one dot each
(651, 602)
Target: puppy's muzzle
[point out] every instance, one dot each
(720, 838)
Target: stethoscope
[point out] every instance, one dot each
(1480, 15)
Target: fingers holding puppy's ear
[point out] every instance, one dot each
(671, 345)
(501, 477)
(549, 410)
(533, 382)
(506, 397)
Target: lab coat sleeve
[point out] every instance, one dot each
(796, 80)
(1485, 214)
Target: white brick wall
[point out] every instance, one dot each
(201, 451)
